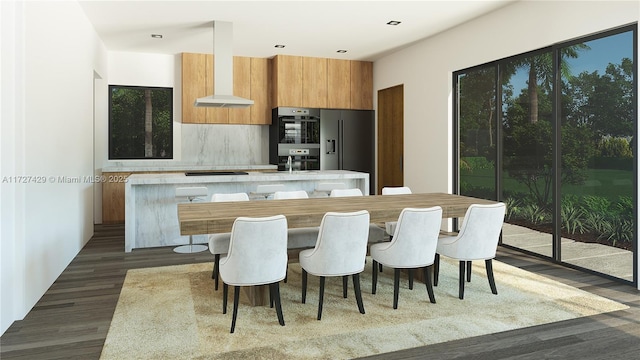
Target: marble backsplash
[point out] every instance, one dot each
(225, 144)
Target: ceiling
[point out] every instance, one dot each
(306, 28)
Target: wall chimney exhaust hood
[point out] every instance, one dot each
(223, 71)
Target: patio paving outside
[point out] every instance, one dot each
(602, 258)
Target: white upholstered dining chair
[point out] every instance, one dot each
(340, 250)
(257, 256)
(298, 238)
(390, 226)
(219, 243)
(376, 234)
(477, 240)
(413, 246)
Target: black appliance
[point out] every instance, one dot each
(295, 133)
(347, 142)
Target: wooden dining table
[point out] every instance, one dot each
(209, 217)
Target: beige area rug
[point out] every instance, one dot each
(173, 313)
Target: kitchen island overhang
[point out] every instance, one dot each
(151, 204)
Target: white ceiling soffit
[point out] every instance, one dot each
(306, 28)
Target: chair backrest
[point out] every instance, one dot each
(395, 190)
(341, 247)
(295, 194)
(192, 192)
(345, 192)
(480, 231)
(416, 237)
(257, 251)
(230, 197)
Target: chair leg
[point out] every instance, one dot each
(492, 282)
(356, 287)
(410, 278)
(374, 277)
(436, 269)
(236, 297)
(275, 294)
(345, 283)
(468, 271)
(225, 294)
(286, 274)
(427, 277)
(461, 280)
(380, 267)
(216, 266)
(396, 287)
(321, 297)
(304, 286)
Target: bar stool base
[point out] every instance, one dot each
(189, 249)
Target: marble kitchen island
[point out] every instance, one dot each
(151, 205)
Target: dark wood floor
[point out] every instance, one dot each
(72, 318)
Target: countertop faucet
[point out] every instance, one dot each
(289, 163)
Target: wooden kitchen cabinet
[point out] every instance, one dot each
(194, 85)
(260, 91)
(242, 88)
(113, 197)
(314, 82)
(361, 85)
(250, 80)
(287, 81)
(338, 84)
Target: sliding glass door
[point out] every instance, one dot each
(552, 133)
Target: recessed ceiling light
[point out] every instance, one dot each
(156, 36)
(280, 46)
(393, 22)
(342, 51)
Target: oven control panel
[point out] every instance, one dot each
(298, 151)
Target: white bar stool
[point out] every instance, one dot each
(191, 193)
(325, 188)
(269, 189)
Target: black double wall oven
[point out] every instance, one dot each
(297, 131)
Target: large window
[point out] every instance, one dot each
(552, 133)
(140, 122)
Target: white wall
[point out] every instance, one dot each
(51, 55)
(426, 70)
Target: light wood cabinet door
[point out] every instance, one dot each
(113, 197)
(362, 85)
(314, 82)
(287, 81)
(242, 88)
(260, 94)
(338, 84)
(194, 85)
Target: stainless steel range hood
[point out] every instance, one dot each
(223, 71)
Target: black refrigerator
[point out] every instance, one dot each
(347, 142)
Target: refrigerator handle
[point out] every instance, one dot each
(331, 146)
(340, 143)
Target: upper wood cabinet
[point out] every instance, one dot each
(361, 85)
(339, 83)
(260, 91)
(322, 83)
(287, 81)
(314, 82)
(194, 85)
(250, 80)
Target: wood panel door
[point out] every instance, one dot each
(391, 137)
